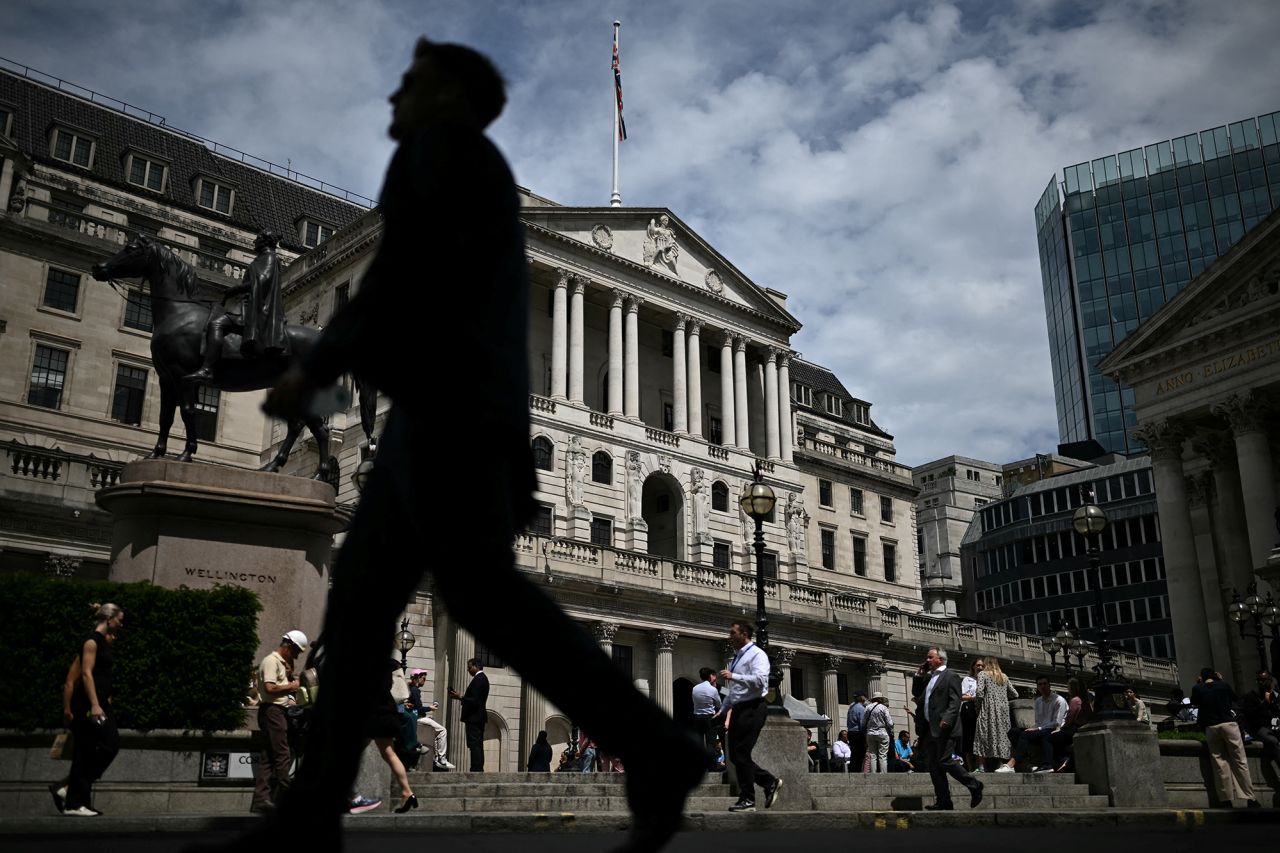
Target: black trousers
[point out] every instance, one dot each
(745, 725)
(938, 752)
(708, 731)
(95, 747)
(397, 535)
(475, 746)
(1270, 744)
(858, 751)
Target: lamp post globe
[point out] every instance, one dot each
(757, 502)
(405, 640)
(1089, 520)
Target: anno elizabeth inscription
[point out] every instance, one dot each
(1212, 369)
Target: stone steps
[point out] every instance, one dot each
(433, 804)
(990, 801)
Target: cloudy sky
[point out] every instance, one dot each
(877, 161)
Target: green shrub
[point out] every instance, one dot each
(183, 660)
(1180, 734)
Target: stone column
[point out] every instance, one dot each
(831, 693)
(614, 403)
(782, 659)
(631, 359)
(1181, 566)
(560, 336)
(463, 648)
(728, 431)
(695, 377)
(785, 423)
(577, 292)
(1229, 513)
(1200, 491)
(533, 715)
(874, 670)
(664, 642)
(743, 440)
(1257, 479)
(771, 405)
(679, 387)
(604, 632)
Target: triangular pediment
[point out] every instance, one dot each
(657, 242)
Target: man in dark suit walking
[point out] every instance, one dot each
(938, 721)
(473, 712)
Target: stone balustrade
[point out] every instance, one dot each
(810, 443)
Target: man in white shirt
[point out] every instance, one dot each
(1051, 713)
(748, 681)
(706, 707)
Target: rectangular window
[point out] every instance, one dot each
(48, 376)
(886, 509)
(855, 501)
(715, 430)
(797, 683)
(602, 531)
(146, 173)
(541, 523)
(713, 360)
(207, 400)
(828, 549)
(624, 659)
(72, 148)
(770, 563)
(61, 290)
(859, 555)
(668, 343)
(824, 492)
(834, 405)
(214, 196)
(314, 234)
(131, 389)
(802, 394)
(842, 688)
(862, 413)
(890, 562)
(668, 417)
(488, 659)
(137, 311)
(720, 555)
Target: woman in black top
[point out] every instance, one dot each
(540, 755)
(94, 729)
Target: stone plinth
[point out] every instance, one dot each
(781, 749)
(198, 525)
(1121, 758)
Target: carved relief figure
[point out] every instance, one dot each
(577, 471)
(797, 521)
(698, 497)
(660, 246)
(635, 483)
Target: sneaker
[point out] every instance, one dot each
(59, 793)
(771, 793)
(978, 770)
(82, 811)
(1045, 769)
(743, 806)
(445, 764)
(360, 805)
(1005, 768)
(422, 749)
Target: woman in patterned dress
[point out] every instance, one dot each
(991, 739)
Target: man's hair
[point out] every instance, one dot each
(475, 662)
(705, 673)
(1208, 672)
(1265, 672)
(1040, 678)
(942, 653)
(479, 80)
(745, 627)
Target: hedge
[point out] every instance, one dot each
(1180, 734)
(183, 660)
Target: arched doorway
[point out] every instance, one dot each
(495, 739)
(662, 506)
(682, 702)
(559, 730)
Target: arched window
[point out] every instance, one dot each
(543, 453)
(719, 496)
(601, 468)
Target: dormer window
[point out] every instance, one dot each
(313, 233)
(72, 147)
(802, 394)
(214, 196)
(145, 172)
(834, 405)
(6, 121)
(862, 414)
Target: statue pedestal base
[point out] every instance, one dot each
(1121, 758)
(579, 523)
(198, 525)
(638, 536)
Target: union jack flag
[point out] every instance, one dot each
(617, 87)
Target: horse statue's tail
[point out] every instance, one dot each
(368, 409)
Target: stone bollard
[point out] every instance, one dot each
(1121, 758)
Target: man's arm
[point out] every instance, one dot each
(950, 711)
(1059, 714)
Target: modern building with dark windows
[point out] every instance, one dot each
(1027, 569)
(1121, 235)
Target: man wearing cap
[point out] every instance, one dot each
(275, 691)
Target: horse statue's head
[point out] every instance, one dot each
(133, 261)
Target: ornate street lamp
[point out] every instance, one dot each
(1109, 688)
(1063, 637)
(405, 641)
(757, 502)
(360, 476)
(1261, 612)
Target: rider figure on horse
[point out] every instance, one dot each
(261, 322)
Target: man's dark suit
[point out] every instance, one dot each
(475, 718)
(941, 742)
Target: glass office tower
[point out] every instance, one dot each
(1121, 235)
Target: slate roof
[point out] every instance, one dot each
(823, 381)
(262, 199)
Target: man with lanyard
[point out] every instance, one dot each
(747, 679)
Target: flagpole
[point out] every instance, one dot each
(615, 200)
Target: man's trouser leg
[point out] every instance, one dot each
(1270, 744)
(744, 731)
(272, 776)
(440, 737)
(475, 746)
(1230, 767)
(858, 750)
(934, 748)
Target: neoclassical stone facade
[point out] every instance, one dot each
(1206, 376)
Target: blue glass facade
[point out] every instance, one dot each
(1129, 231)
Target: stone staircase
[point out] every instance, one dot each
(604, 793)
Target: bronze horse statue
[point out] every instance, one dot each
(179, 318)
